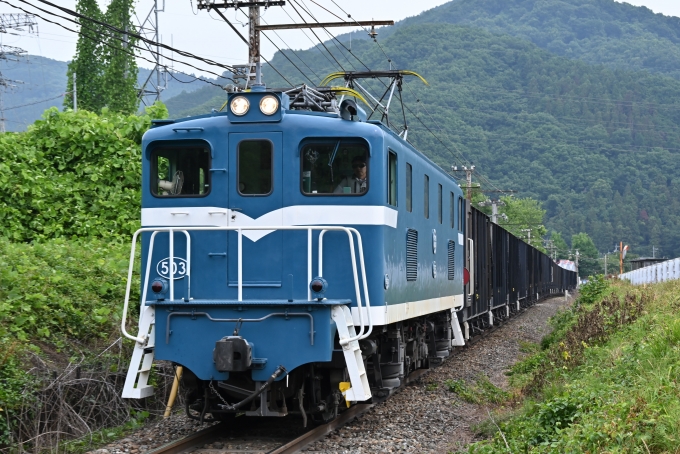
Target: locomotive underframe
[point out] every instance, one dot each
(314, 390)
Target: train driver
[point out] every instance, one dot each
(357, 183)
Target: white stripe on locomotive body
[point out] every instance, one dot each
(287, 216)
(392, 313)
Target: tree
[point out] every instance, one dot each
(104, 66)
(120, 73)
(589, 265)
(524, 219)
(87, 64)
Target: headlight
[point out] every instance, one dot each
(239, 105)
(269, 105)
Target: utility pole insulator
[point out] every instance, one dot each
(254, 55)
(494, 204)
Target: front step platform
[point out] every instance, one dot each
(136, 382)
(360, 389)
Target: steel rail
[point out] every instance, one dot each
(183, 444)
(211, 433)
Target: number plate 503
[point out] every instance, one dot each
(179, 268)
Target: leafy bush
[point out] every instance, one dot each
(593, 290)
(71, 288)
(73, 174)
(14, 381)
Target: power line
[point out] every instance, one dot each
(286, 57)
(315, 45)
(105, 43)
(317, 37)
(106, 35)
(291, 50)
(330, 35)
(248, 43)
(38, 102)
(134, 35)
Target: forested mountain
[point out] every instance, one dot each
(40, 82)
(596, 31)
(599, 147)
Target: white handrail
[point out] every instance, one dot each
(239, 230)
(361, 334)
(365, 282)
(145, 287)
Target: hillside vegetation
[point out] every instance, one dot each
(600, 148)
(43, 83)
(605, 380)
(616, 34)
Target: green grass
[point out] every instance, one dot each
(482, 391)
(609, 381)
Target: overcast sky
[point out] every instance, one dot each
(207, 35)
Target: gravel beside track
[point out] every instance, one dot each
(421, 418)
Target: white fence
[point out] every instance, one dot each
(664, 271)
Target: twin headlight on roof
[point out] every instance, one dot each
(240, 105)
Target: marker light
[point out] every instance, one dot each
(466, 276)
(318, 287)
(269, 105)
(159, 286)
(239, 105)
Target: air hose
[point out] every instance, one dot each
(279, 370)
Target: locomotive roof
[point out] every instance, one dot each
(326, 115)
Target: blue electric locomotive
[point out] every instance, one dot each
(293, 257)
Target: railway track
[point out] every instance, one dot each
(272, 436)
(277, 436)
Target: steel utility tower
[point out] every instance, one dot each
(12, 22)
(157, 81)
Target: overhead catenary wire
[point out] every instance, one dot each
(291, 50)
(278, 48)
(306, 9)
(313, 33)
(314, 44)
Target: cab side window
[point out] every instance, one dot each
(335, 167)
(409, 187)
(180, 171)
(426, 197)
(392, 179)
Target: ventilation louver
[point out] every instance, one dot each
(411, 255)
(452, 259)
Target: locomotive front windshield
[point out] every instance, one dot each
(338, 167)
(180, 171)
